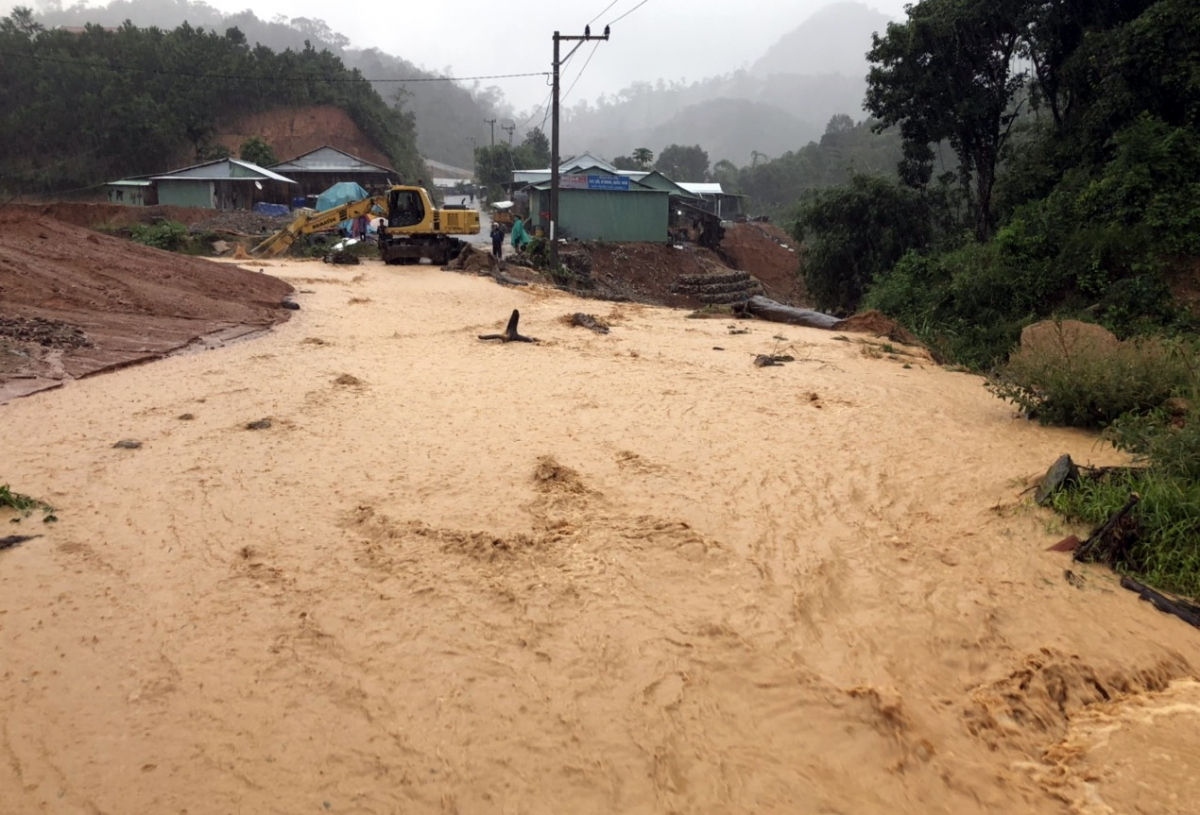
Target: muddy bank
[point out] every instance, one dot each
(74, 302)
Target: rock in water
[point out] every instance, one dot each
(1061, 473)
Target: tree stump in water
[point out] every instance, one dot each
(510, 332)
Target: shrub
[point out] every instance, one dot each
(169, 235)
(1090, 384)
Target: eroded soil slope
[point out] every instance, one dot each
(74, 302)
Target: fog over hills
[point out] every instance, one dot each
(781, 102)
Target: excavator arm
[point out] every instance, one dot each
(310, 222)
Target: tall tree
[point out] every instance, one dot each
(257, 151)
(643, 156)
(534, 150)
(948, 74)
(681, 163)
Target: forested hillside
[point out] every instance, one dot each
(82, 108)
(1074, 183)
(443, 112)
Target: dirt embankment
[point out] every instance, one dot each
(294, 131)
(75, 302)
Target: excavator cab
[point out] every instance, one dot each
(405, 208)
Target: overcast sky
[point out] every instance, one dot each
(671, 39)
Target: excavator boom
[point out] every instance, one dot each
(310, 222)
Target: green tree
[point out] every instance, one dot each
(494, 167)
(643, 156)
(257, 151)
(726, 172)
(947, 74)
(853, 235)
(534, 150)
(681, 163)
(21, 23)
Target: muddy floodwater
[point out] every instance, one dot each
(627, 572)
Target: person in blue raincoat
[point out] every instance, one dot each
(520, 238)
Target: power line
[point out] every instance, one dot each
(606, 8)
(581, 70)
(249, 78)
(631, 11)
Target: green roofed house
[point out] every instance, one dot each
(227, 183)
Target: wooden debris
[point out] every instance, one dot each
(1187, 612)
(1108, 543)
(14, 540)
(510, 332)
(766, 360)
(588, 321)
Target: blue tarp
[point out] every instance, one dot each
(263, 208)
(340, 193)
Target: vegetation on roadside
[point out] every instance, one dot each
(1071, 186)
(25, 505)
(1145, 395)
(1160, 542)
(1095, 385)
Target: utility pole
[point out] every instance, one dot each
(587, 35)
(492, 122)
(509, 128)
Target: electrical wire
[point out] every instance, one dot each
(581, 70)
(626, 14)
(606, 8)
(247, 78)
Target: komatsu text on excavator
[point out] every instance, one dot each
(413, 229)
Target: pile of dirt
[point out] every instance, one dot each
(879, 324)
(75, 302)
(642, 272)
(771, 255)
(685, 276)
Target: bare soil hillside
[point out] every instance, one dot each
(294, 131)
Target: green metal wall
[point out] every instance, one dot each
(594, 215)
(185, 193)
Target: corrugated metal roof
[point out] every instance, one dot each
(328, 159)
(575, 164)
(222, 170)
(702, 188)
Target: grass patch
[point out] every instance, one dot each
(1159, 541)
(25, 505)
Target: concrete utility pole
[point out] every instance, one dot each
(492, 122)
(587, 35)
(509, 128)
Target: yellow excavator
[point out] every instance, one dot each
(414, 229)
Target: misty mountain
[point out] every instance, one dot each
(812, 73)
(831, 41)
